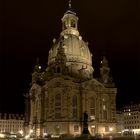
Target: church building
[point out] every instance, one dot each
(60, 95)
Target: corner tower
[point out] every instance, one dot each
(78, 58)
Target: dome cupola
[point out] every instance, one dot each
(78, 58)
(70, 22)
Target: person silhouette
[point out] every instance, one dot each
(85, 117)
(85, 124)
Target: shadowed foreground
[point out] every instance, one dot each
(95, 138)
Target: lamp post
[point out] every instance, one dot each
(21, 133)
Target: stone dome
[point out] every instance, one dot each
(72, 50)
(75, 49)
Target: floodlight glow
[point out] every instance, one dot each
(27, 136)
(111, 129)
(92, 126)
(2, 135)
(21, 132)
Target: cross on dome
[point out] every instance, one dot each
(69, 4)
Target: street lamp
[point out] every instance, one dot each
(21, 132)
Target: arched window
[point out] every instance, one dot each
(104, 110)
(58, 106)
(92, 106)
(65, 24)
(74, 106)
(58, 69)
(73, 23)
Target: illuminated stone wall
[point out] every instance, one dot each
(60, 95)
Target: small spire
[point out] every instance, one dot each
(70, 10)
(104, 61)
(37, 65)
(69, 4)
(37, 60)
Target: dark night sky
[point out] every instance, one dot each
(28, 27)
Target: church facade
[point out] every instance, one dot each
(60, 95)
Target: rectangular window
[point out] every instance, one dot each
(92, 111)
(106, 129)
(105, 115)
(74, 112)
(76, 128)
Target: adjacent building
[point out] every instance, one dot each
(60, 95)
(132, 119)
(11, 123)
